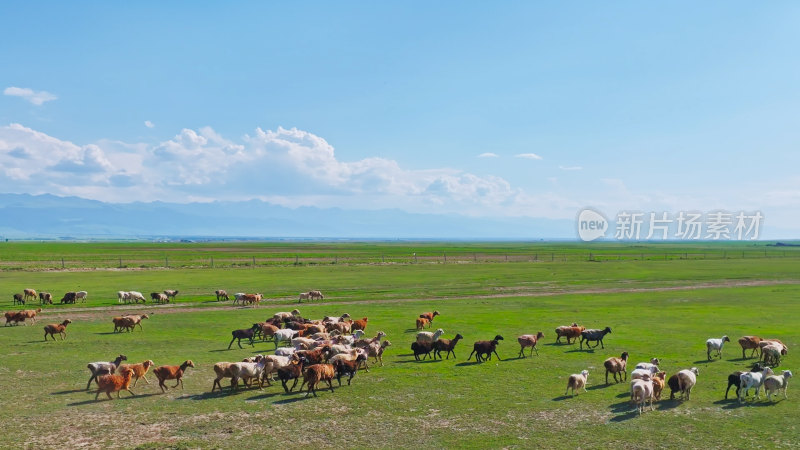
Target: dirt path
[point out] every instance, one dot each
(176, 308)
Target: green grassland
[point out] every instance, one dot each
(665, 308)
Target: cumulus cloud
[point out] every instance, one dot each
(149, 124)
(291, 167)
(527, 156)
(38, 98)
(488, 155)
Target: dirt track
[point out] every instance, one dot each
(173, 308)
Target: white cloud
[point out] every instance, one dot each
(570, 167)
(149, 124)
(528, 156)
(36, 97)
(488, 155)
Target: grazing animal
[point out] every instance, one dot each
(687, 378)
(376, 351)
(284, 335)
(171, 293)
(81, 295)
(69, 297)
(286, 315)
(139, 370)
(30, 294)
(674, 386)
(594, 335)
(347, 368)
(114, 383)
(641, 392)
(316, 374)
(749, 343)
(429, 315)
(359, 324)
(364, 343)
(103, 368)
(18, 298)
(616, 366)
(529, 340)
(576, 382)
(654, 362)
(658, 384)
(640, 373)
(246, 333)
(427, 336)
(716, 344)
(248, 371)
(137, 319)
(570, 332)
(21, 316)
(734, 379)
(158, 297)
(421, 348)
(304, 296)
(54, 328)
(291, 371)
(481, 348)
(774, 383)
(121, 323)
(772, 352)
(316, 295)
(221, 295)
(750, 380)
(123, 297)
(446, 345)
(46, 298)
(223, 370)
(164, 373)
(136, 296)
(421, 322)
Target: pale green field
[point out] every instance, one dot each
(654, 307)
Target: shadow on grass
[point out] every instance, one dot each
(110, 332)
(626, 416)
(562, 398)
(104, 398)
(468, 363)
(666, 405)
(577, 350)
(268, 395)
(287, 401)
(599, 386)
(703, 361)
(621, 407)
(73, 391)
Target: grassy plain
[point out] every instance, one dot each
(665, 308)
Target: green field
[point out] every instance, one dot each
(665, 307)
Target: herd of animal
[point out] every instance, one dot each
(46, 298)
(334, 347)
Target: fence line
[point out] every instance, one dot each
(215, 261)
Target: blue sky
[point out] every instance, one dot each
(627, 105)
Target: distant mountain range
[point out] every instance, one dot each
(24, 216)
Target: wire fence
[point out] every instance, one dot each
(226, 262)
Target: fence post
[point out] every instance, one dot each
(506, 257)
(120, 263)
(166, 261)
(296, 260)
(62, 262)
(254, 262)
(445, 257)
(212, 262)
